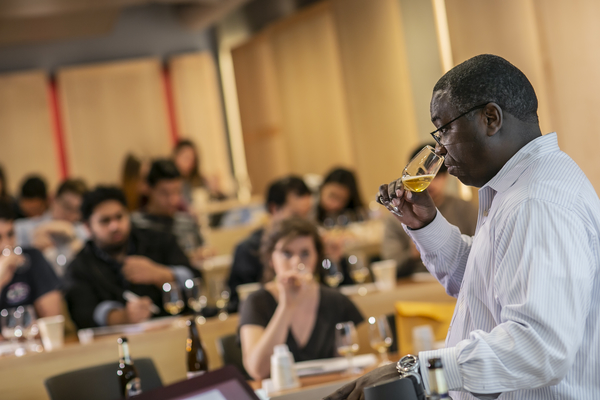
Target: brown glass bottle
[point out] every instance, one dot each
(197, 360)
(127, 373)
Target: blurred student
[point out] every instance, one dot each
(339, 201)
(162, 211)
(285, 197)
(133, 182)
(26, 278)
(398, 246)
(120, 258)
(292, 308)
(187, 160)
(33, 198)
(59, 230)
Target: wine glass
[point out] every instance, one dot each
(418, 174)
(30, 328)
(221, 294)
(380, 337)
(172, 298)
(196, 299)
(346, 342)
(358, 272)
(332, 275)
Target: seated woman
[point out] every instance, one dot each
(339, 201)
(293, 308)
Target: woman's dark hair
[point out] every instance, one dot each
(345, 178)
(288, 229)
(99, 195)
(195, 177)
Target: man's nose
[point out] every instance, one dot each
(440, 150)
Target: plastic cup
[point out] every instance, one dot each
(52, 331)
(85, 336)
(385, 274)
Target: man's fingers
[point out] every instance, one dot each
(382, 196)
(342, 393)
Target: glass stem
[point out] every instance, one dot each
(350, 370)
(384, 357)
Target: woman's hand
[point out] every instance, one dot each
(292, 285)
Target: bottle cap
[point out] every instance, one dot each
(122, 340)
(281, 349)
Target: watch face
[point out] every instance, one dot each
(408, 363)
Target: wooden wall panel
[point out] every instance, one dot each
(109, 110)
(570, 35)
(507, 28)
(26, 133)
(260, 112)
(199, 113)
(309, 73)
(377, 80)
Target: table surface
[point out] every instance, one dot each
(23, 377)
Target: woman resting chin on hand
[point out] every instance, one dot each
(293, 308)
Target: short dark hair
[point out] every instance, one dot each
(75, 186)
(99, 195)
(443, 168)
(34, 187)
(488, 78)
(279, 190)
(7, 211)
(162, 169)
(289, 228)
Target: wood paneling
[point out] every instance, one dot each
(26, 134)
(309, 72)
(382, 116)
(199, 114)
(570, 36)
(109, 110)
(260, 112)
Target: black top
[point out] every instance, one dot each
(246, 267)
(333, 308)
(30, 282)
(93, 276)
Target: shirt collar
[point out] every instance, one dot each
(512, 170)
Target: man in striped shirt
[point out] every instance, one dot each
(527, 320)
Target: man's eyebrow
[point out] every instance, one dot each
(434, 118)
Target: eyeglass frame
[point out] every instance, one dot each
(436, 135)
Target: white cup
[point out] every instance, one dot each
(86, 336)
(385, 274)
(52, 331)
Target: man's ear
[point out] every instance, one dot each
(494, 118)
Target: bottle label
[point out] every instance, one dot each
(193, 374)
(133, 388)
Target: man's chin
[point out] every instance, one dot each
(114, 247)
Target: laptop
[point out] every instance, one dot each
(226, 383)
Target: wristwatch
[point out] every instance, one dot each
(409, 366)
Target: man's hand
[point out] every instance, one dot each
(418, 209)
(139, 310)
(143, 271)
(8, 266)
(44, 236)
(354, 390)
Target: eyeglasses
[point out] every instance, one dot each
(437, 135)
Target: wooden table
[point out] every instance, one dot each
(23, 377)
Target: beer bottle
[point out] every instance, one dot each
(437, 380)
(197, 360)
(128, 376)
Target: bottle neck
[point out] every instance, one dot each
(124, 357)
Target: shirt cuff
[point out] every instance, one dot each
(103, 309)
(182, 274)
(432, 237)
(449, 357)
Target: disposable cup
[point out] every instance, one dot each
(52, 331)
(385, 274)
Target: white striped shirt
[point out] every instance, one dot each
(526, 323)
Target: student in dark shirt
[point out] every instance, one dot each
(285, 197)
(293, 308)
(118, 259)
(26, 278)
(33, 198)
(162, 211)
